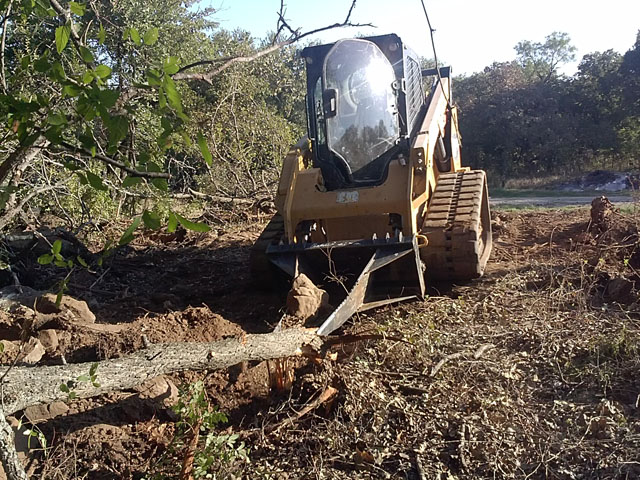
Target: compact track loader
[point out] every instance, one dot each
(375, 198)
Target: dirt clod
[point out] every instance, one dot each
(304, 300)
(39, 413)
(75, 310)
(49, 339)
(160, 390)
(32, 352)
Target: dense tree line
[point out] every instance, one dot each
(525, 119)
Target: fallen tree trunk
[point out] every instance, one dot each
(27, 386)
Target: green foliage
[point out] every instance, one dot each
(53, 256)
(204, 148)
(541, 60)
(189, 225)
(151, 36)
(173, 223)
(127, 236)
(523, 119)
(63, 33)
(70, 386)
(629, 135)
(34, 433)
(77, 8)
(217, 455)
(100, 82)
(151, 220)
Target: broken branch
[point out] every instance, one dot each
(227, 62)
(110, 161)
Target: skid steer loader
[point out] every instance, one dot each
(375, 197)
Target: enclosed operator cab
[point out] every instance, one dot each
(364, 97)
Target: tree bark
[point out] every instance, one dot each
(10, 462)
(22, 156)
(27, 386)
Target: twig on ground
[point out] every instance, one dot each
(420, 468)
(189, 453)
(326, 395)
(454, 356)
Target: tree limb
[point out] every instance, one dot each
(9, 214)
(227, 62)
(26, 386)
(216, 198)
(5, 21)
(22, 156)
(115, 163)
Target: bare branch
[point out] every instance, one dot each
(12, 212)
(3, 78)
(282, 23)
(23, 156)
(295, 36)
(14, 183)
(228, 62)
(115, 163)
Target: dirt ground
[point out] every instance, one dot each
(530, 372)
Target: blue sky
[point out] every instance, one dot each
(470, 34)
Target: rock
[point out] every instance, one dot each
(46, 311)
(10, 350)
(49, 340)
(75, 310)
(12, 297)
(33, 351)
(39, 413)
(305, 299)
(159, 389)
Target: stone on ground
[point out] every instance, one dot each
(305, 299)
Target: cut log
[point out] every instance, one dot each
(27, 386)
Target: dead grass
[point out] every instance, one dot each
(532, 183)
(529, 373)
(535, 374)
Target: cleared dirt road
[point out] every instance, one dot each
(521, 202)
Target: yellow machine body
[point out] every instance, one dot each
(426, 217)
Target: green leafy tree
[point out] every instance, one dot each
(630, 72)
(521, 118)
(595, 94)
(117, 103)
(541, 60)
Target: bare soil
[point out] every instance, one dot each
(529, 372)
